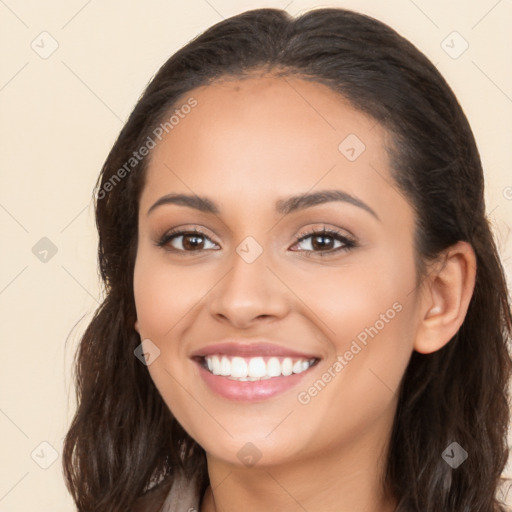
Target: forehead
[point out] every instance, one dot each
(252, 138)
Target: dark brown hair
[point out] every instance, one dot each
(123, 438)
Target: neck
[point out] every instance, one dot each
(342, 479)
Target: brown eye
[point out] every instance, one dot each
(323, 242)
(190, 241)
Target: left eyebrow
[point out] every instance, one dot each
(300, 202)
(283, 206)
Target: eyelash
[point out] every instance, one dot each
(349, 243)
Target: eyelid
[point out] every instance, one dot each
(348, 240)
(328, 231)
(181, 231)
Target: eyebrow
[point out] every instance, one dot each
(283, 206)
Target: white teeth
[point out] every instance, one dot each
(297, 367)
(215, 365)
(238, 367)
(255, 368)
(273, 367)
(225, 366)
(287, 367)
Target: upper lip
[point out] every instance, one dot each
(250, 349)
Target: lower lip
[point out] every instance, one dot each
(247, 391)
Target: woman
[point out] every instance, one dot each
(305, 308)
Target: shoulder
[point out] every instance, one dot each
(184, 495)
(504, 493)
(153, 499)
(174, 493)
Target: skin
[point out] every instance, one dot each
(245, 145)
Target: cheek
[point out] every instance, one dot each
(367, 313)
(163, 295)
(359, 385)
(363, 301)
(165, 300)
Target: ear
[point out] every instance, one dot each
(445, 298)
(136, 325)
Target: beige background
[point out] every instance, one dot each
(61, 113)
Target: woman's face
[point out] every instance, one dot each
(262, 281)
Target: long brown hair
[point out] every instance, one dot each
(123, 439)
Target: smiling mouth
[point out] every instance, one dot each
(254, 368)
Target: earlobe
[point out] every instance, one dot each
(136, 325)
(446, 297)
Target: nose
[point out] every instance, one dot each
(249, 292)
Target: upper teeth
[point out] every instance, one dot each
(255, 368)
